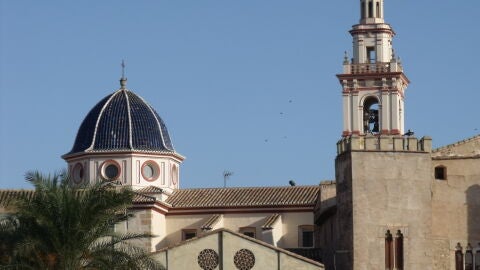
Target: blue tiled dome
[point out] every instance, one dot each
(122, 121)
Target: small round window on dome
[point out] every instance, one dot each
(110, 170)
(150, 170)
(77, 173)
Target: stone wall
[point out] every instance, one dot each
(326, 222)
(343, 250)
(383, 183)
(455, 208)
(391, 191)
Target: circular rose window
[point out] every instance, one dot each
(110, 170)
(150, 170)
(244, 259)
(208, 259)
(77, 173)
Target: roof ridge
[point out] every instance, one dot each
(100, 115)
(257, 187)
(129, 113)
(456, 143)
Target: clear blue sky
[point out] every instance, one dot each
(222, 74)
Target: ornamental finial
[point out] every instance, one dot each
(123, 80)
(345, 58)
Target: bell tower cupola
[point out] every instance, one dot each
(373, 82)
(371, 11)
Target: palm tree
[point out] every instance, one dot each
(61, 227)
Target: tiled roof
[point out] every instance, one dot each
(208, 225)
(270, 221)
(141, 198)
(7, 196)
(122, 121)
(214, 197)
(244, 197)
(149, 190)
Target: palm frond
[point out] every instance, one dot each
(61, 227)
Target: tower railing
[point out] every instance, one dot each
(378, 67)
(369, 68)
(388, 143)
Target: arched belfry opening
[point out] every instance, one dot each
(371, 9)
(377, 9)
(371, 121)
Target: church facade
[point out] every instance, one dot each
(396, 203)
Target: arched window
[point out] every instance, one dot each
(399, 250)
(440, 172)
(458, 257)
(388, 251)
(468, 257)
(394, 251)
(371, 123)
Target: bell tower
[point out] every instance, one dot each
(383, 174)
(373, 82)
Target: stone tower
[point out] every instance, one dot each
(373, 80)
(383, 177)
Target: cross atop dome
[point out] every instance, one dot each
(123, 79)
